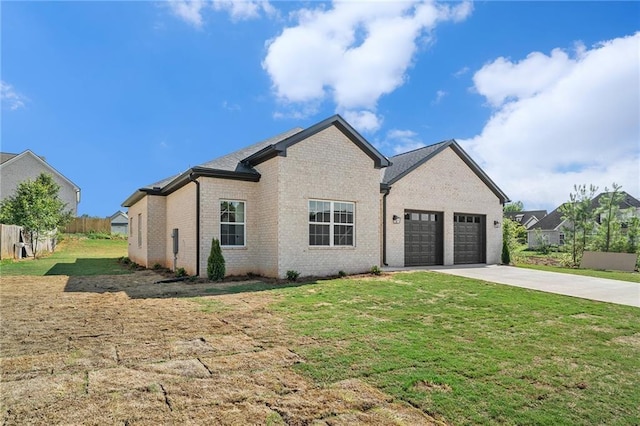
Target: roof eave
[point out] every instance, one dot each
(188, 176)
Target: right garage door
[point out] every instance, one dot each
(468, 238)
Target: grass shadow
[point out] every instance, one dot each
(149, 284)
(88, 267)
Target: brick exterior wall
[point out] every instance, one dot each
(238, 260)
(443, 184)
(327, 166)
(152, 212)
(29, 167)
(136, 253)
(181, 214)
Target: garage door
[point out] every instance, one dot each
(422, 238)
(468, 238)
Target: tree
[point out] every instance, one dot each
(37, 207)
(579, 215)
(609, 237)
(633, 235)
(514, 207)
(215, 264)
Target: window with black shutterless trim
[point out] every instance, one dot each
(232, 223)
(331, 223)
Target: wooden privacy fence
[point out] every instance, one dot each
(82, 225)
(10, 242)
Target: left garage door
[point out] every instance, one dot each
(422, 238)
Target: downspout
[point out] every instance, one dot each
(384, 226)
(194, 180)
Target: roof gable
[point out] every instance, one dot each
(280, 148)
(8, 159)
(403, 164)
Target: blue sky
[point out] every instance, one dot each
(118, 95)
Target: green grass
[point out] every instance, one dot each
(74, 256)
(612, 275)
(472, 352)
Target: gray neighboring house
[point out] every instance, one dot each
(550, 229)
(526, 218)
(119, 223)
(16, 168)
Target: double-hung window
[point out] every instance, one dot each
(232, 223)
(331, 223)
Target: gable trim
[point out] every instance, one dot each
(280, 148)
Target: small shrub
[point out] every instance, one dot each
(181, 272)
(216, 269)
(157, 266)
(375, 270)
(125, 260)
(506, 255)
(292, 275)
(342, 273)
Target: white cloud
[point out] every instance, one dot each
(503, 80)
(402, 141)
(363, 121)
(562, 120)
(439, 95)
(12, 99)
(244, 9)
(352, 53)
(191, 11)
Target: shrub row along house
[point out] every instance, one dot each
(318, 201)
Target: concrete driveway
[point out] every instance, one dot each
(605, 290)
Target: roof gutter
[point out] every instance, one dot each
(385, 189)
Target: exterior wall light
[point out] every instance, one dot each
(496, 224)
(396, 218)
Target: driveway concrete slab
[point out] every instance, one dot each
(605, 290)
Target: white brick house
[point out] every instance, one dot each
(318, 201)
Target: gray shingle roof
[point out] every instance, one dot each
(233, 162)
(526, 215)
(5, 156)
(402, 164)
(550, 221)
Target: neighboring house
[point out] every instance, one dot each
(119, 223)
(526, 218)
(550, 229)
(17, 168)
(318, 201)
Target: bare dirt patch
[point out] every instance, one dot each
(126, 350)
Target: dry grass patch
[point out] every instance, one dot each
(127, 350)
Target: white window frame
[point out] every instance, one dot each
(332, 223)
(243, 223)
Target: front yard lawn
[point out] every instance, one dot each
(471, 352)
